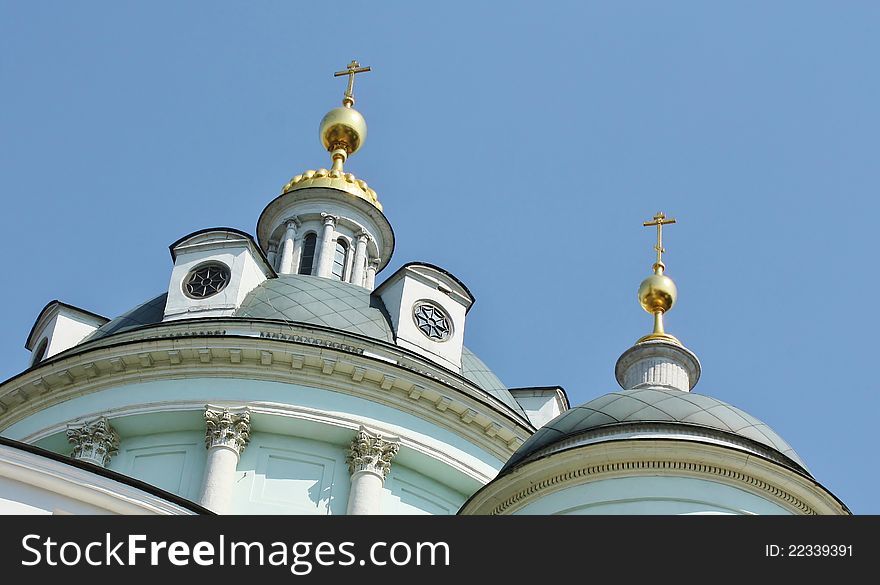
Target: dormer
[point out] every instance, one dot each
(427, 306)
(59, 327)
(541, 404)
(214, 269)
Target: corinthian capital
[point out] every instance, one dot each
(227, 428)
(94, 441)
(372, 452)
(330, 219)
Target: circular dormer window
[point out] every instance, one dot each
(432, 321)
(206, 280)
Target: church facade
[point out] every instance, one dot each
(279, 374)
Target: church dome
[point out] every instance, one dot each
(316, 301)
(634, 410)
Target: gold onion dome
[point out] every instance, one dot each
(343, 131)
(657, 293)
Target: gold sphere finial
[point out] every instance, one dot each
(657, 293)
(343, 131)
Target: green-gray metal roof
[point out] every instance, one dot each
(318, 301)
(147, 313)
(654, 405)
(477, 372)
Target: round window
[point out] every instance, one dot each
(432, 321)
(206, 280)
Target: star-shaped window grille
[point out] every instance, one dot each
(432, 321)
(206, 281)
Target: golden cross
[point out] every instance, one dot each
(659, 220)
(353, 69)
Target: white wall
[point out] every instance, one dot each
(65, 330)
(403, 290)
(540, 405)
(23, 498)
(246, 273)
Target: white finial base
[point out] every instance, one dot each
(658, 364)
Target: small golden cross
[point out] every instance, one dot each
(353, 68)
(659, 220)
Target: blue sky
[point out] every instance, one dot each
(519, 148)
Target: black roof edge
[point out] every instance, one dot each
(52, 303)
(242, 233)
(116, 476)
(438, 269)
(560, 388)
(786, 461)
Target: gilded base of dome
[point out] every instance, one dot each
(334, 180)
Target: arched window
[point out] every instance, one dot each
(339, 258)
(308, 253)
(40, 353)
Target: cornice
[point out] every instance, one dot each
(336, 363)
(295, 332)
(652, 457)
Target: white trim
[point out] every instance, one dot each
(648, 457)
(75, 483)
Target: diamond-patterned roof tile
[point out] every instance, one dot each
(655, 405)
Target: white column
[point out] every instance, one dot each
(286, 266)
(328, 249)
(226, 435)
(349, 260)
(94, 441)
(297, 254)
(372, 268)
(272, 256)
(360, 259)
(369, 461)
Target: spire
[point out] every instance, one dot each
(658, 360)
(343, 130)
(658, 292)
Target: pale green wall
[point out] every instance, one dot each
(291, 465)
(291, 475)
(408, 492)
(172, 461)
